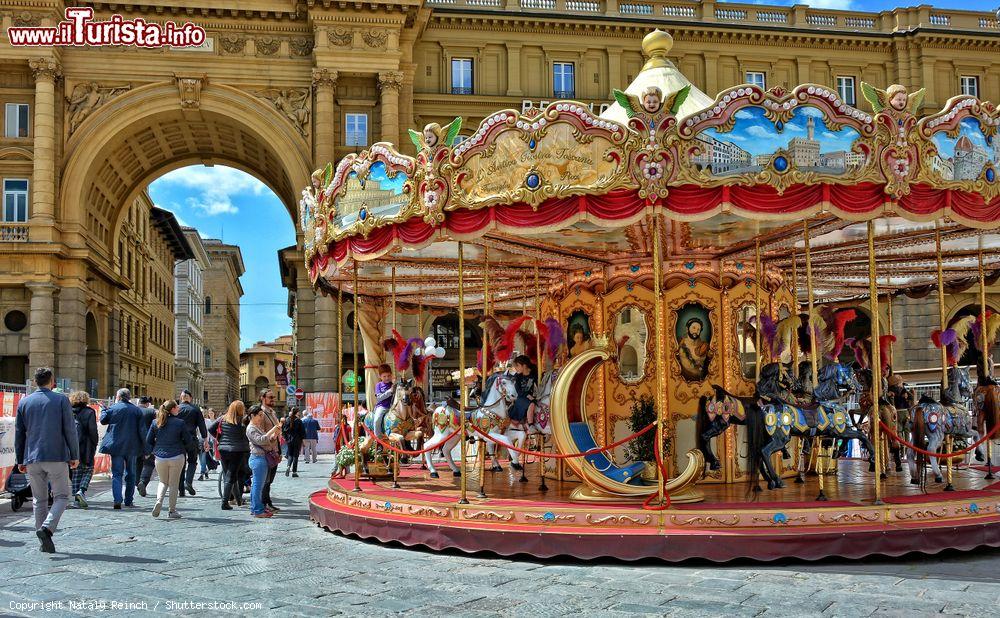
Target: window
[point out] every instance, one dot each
(208, 358)
(356, 129)
(16, 120)
(204, 396)
(15, 200)
(845, 89)
(969, 85)
(208, 305)
(461, 75)
(260, 363)
(563, 82)
(756, 78)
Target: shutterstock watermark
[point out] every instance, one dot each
(80, 29)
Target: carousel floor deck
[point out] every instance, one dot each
(518, 518)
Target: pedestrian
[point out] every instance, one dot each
(192, 416)
(125, 444)
(146, 462)
(234, 450)
(294, 435)
(86, 430)
(262, 435)
(45, 441)
(205, 446)
(270, 421)
(283, 440)
(169, 441)
(311, 427)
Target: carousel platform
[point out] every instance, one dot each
(517, 518)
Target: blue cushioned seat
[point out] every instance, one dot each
(584, 440)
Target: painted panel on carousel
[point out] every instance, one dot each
(578, 333)
(370, 189)
(963, 148)
(564, 150)
(750, 136)
(631, 339)
(694, 341)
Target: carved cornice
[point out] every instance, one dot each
(324, 78)
(45, 69)
(390, 80)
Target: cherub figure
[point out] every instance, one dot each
(652, 115)
(895, 98)
(651, 102)
(895, 113)
(435, 135)
(652, 99)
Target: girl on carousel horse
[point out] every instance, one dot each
(525, 379)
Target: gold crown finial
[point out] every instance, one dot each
(655, 46)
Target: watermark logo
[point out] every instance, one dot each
(80, 29)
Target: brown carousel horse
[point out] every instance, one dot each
(986, 405)
(887, 413)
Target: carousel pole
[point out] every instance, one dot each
(944, 349)
(660, 367)
(984, 347)
(876, 363)
(357, 440)
(524, 311)
(341, 421)
(541, 362)
(481, 450)
(463, 388)
(395, 455)
(795, 308)
(756, 307)
(812, 351)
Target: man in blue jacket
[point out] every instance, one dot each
(45, 441)
(311, 427)
(124, 442)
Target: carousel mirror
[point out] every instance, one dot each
(631, 338)
(745, 324)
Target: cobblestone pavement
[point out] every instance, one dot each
(289, 566)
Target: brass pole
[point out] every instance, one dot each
(795, 310)
(481, 450)
(340, 359)
(940, 286)
(889, 324)
(463, 389)
(984, 346)
(876, 362)
(357, 438)
(813, 353)
(540, 437)
(661, 335)
(756, 308)
(393, 291)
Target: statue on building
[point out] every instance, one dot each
(87, 97)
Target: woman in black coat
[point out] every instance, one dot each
(234, 450)
(86, 431)
(295, 433)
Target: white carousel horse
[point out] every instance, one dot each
(542, 427)
(490, 417)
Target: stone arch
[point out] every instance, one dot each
(124, 145)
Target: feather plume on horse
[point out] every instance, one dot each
(786, 329)
(505, 350)
(961, 328)
(493, 332)
(768, 335)
(836, 323)
(556, 337)
(398, 346)
(884, 351)
(813, 327)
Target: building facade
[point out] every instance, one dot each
(280, 89)
(221, 354)
(189, 276)
(266, 365)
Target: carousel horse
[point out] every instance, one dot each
(934, 421)
(781, 415)
(716, 413)
(490, 418)
(543, 394)
(837, 383)
(887, 413)
(986, 404)
(399, 423)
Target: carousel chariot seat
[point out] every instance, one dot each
(584, 439)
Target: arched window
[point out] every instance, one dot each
(208, 358)
(208, 305)
(629, 363)
(445, 331)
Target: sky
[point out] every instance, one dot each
(883, 5)
(756, 134)
(222, 202)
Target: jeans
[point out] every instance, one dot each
(233, 463)
(267, 486)
(123, 469)
(293, 457)
(144, 466)
(310, 451)
(81, 476)
(41, 474)
(169, 471)
(203, 461)
(260, 471)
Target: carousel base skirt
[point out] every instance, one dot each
(519, 519)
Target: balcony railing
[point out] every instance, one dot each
(13, 232)
(461, 90)
(707, 11)
(564, 94)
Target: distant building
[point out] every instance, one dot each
(719, 157)
(854, 160)
(804, 152)
(221, 356)
(259, 370)
(944, 167)
(190, 320)
(762, 160)
(969, 159)
(836, 159)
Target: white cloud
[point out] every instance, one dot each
(794, 128)
(808, 110)
(744, 115)
(758, 131)
(829, 135)
(215, 187)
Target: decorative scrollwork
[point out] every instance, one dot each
(869, 516)
(921, 514)
(549, 517)
(340, 37)
(233, 44)
(705, 520)
(488, 515)
(618, 520)
(267, 46)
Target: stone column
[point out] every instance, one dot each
(71, 328)
(325, 113)
(406, 108)
(514, 70)
(615, 70)
(389, 83)
(305, 335)
(711, 73)
(43, 190)
(41, 338)
(114, 352)
(325, 344)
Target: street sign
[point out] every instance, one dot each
(299, 394)
(290, 390)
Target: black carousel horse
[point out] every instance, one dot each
(782, 415)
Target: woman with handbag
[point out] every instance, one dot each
(261, 434)
(234, 448)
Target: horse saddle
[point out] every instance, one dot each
(811, 416)
(725, 408)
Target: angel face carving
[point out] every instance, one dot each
(652, 99)
(431, 135)
(899, 99)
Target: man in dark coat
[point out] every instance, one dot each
(146, 462)
(194, 419)
(124, 443)
(86, 430)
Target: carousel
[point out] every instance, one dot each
(676, 326)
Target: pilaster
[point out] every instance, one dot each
(46, 73)
(41, 339)
(514, 70)
(325, 344)
(389, 83)
(71, 357)
(324, 137)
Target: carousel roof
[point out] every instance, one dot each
(571, 193)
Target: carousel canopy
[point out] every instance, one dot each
(571, 193)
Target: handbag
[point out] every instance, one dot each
(273, 458)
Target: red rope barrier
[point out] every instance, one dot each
(917, 449)
(592, 451)
(421, 451)
(663, 471)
